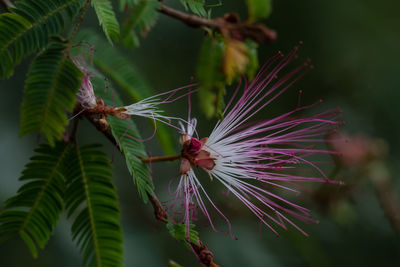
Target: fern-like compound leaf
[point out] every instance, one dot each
(28, 28)
(50, 90)
(35, 210)
(127, 135)
(92, 195)
(107, 19)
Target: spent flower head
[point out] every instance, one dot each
(147, 108)
(85, 96)
(250, 158)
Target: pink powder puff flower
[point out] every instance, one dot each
(248, 158)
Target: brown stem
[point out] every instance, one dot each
(190, 20)
(229, 25)
(102, 127)
(160, 159)
(159, 211)
(204, 255)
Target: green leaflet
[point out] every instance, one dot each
(131, 148)
(209, 73)
(28, 28)
(259, 9)
(178, 232)
(196, 6)
(143, 16)
(126, 76)
(41, 197)
(90, 191)
(50, 90)
(107, 19)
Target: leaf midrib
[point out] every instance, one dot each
(89, 206)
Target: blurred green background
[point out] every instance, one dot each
(354, 45)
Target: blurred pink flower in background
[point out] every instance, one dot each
(358, 149)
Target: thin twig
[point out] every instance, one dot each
(160, 159)
(229, 25)
(191, 20)
(204, 255)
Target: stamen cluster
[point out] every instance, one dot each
(252, 158)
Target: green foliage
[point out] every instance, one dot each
(222, 61)
(28, 28)
(143, 16)
(107, 19)
(91, 193)
(252, 54)
(50, 90)
(172, 263)
(196, 6)
(133, 149)
(126, 3)
(259, 9)
(41, 198)
(74, 9)
(127, 135)
(178, 231)
(2, 9)
(209, 73)
(113, 64)
(220, 102)
(124, 73)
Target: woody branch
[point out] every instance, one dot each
(204, 255)
(229, 25)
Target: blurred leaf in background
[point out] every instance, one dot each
(259, 9)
